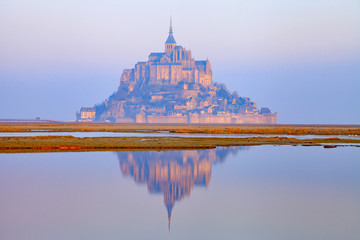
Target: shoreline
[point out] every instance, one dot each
(75, 144)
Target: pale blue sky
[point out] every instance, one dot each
(300, 58)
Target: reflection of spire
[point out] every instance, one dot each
(169, 209)
(169, 200)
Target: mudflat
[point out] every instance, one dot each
(180, 128)
(70, 143)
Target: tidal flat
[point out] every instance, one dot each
(70, 143)
(192, 186)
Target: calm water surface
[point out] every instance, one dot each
(262, 192)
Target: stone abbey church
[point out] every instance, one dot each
(172, 87)
(171, 67)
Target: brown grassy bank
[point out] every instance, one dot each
(208, 129)
(69, 143)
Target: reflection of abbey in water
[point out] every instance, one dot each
(173, 173)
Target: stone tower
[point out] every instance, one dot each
(170, 42)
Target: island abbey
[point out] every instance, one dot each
(172, 87)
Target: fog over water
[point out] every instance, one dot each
(299, 58)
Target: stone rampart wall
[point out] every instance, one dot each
(211, 119)
(167, 119)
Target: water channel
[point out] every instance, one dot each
(163, 134)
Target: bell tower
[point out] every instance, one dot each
(170, 42)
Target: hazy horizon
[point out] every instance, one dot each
(300, 59)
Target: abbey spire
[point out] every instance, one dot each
(171, 29)
(170, 42)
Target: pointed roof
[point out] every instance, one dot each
(169, 207)
(170, 38)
